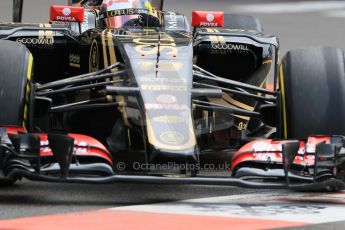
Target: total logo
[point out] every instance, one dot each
(66, 16)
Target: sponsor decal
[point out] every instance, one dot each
(36, 41)
(265, 156)
(166, 99)
(66, 12)
(266, 147)
(163, 88)
(169, 119)
(172, 138)
(74, 60)
(149, 46)
(226, 46)
(210, 17)
(207, 19)
(163, 66)
(242, 126)
(162, 80)
(94, 57)
(177, 107)
(118, 4)
(172, 21)
(209, 24)
(66, 16)
(67, 19)
(122, 12)
(81, 147)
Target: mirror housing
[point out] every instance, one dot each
(207, 19)
(67, 13)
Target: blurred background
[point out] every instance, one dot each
(296, 23)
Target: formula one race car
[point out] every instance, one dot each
(153, 99)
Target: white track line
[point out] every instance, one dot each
(290, 7)
(264, 206)
(335, 13)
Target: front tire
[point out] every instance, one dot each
(16, 65)
(312, 87)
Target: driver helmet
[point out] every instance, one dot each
(125, 11)
(86, 3)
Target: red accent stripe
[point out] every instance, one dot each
(108, 219)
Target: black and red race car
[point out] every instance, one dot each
(153, 101)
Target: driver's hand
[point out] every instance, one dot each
(149, 20)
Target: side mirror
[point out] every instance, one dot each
(207, 19)
(67, 13)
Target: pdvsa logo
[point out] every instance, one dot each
(210, 21)
(66, 12)
(66, 16)
(210, 17)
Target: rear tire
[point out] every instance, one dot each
(244, 22)
(312, 86)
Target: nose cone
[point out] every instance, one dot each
(173, 141)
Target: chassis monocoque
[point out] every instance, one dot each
(162, 96)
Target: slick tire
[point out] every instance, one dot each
(312, 93)
(244, 22)
(16, 65)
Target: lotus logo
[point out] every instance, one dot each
(66, 11)
(172, 138)
(210, 17)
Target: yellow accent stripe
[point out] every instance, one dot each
(237, 103)
(223, 102)
(214, 39)
(27, 96)
(41, 33)
(29, 74)
(111, 48)
(105, 58)
(46, 34)
(49, 33)
(282, 89)
(220, 38)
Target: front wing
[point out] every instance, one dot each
(313, 165)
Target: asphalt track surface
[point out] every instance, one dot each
(296, 24)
